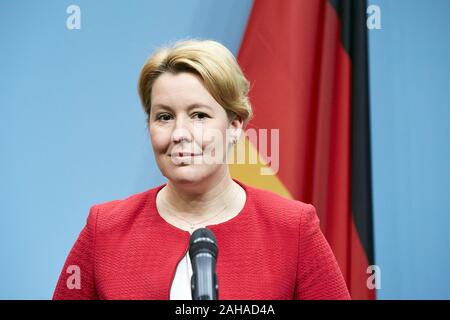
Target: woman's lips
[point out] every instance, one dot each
(183, 157)
(184, 154)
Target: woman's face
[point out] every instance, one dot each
(189, 130)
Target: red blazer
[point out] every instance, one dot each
(273, 249)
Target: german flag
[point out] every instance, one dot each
(308, 67)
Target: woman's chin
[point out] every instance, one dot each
(185, 175)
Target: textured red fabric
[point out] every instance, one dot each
(273, 249)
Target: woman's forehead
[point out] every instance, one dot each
(182, 82)
(181, 90)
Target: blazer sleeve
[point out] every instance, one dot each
(318, 274)
(77, 279)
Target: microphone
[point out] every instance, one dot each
(203, 254)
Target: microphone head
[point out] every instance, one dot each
(202, 241)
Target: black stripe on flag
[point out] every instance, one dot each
(352, 14)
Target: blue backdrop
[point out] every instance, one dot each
(73, 132)
(410, 96)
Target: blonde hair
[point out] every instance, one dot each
(216, 66)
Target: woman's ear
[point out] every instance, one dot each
(236, 126)
(236, 122)
(235, 129)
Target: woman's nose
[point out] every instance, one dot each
(181, 131)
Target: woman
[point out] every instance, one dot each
(195, 98)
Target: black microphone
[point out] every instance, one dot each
(203, 254)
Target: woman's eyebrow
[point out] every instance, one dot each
(190, 107)
(199, 105)
(161, 106)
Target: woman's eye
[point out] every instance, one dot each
(163, 117)
(200, 115)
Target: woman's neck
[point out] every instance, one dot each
(202, 199)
